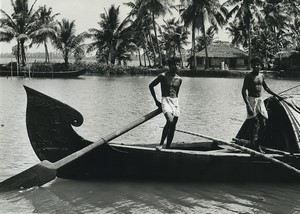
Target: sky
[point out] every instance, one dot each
(86, 14)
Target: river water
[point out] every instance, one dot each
(210, 106)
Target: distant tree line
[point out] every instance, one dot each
(35, 55)
(261, 27)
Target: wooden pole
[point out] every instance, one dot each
(289, 89)
(247, 150)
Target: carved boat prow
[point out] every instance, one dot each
(49, 125)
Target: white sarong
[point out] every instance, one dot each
(258, 106)
(171, 105)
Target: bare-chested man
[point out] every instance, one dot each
(254, 82)
(170, 83)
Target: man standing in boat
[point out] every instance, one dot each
(170, 84)
(256, 110)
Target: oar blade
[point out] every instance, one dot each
(36, 175)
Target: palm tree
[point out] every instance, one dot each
(126, 44)
(155, 8)
(46, 29)
(278, 20)
(238, 33)
(181, 39)
(201, 41)
(213, 13)
(197, 13)
(141, 27)
(66, 41)
(263, 43)
(149, 48)
(245, 11)
(174, 37)
(20, 25)
(138, 38)
(112, 40)
(149, 39)
(295, 33)
(191, 16)
(293, 9)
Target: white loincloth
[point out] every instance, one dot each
(169, 104)
(258, 106)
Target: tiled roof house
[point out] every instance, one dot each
(220, 51)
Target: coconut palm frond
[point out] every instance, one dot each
(6, 36)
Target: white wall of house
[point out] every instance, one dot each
(215, 63)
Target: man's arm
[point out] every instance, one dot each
(179, 87)
(154, 83)
(244, 94)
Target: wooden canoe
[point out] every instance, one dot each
(57, 74)
(49, 125)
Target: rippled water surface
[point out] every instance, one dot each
(210, 106)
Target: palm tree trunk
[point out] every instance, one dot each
(194, 63)
(249, 43)
(181, 60)
(66, 58)
(46, 52)
(144, 57)
(23, 57)
(140, 60)
(277, 39)
(148, 57)
(18, 52)
(205, 45)
(145, 48)
(157, 42)
(152, 46)
(109, 57)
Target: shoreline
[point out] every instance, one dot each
(93, 68)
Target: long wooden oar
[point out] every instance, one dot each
(244, 149)
(45, 171)
(288, 89)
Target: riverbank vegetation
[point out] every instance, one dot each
(263, 28)
(100, 69)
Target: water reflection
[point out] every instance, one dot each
(66, 196)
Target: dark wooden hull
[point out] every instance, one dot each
(52, 138)
(119, 162)
(60, 74)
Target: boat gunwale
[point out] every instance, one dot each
(237, 153)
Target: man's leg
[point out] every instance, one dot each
(259, 129)
(255, 129)
(262, 127)
(165, 133)
(171, 132)
(166, 130)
